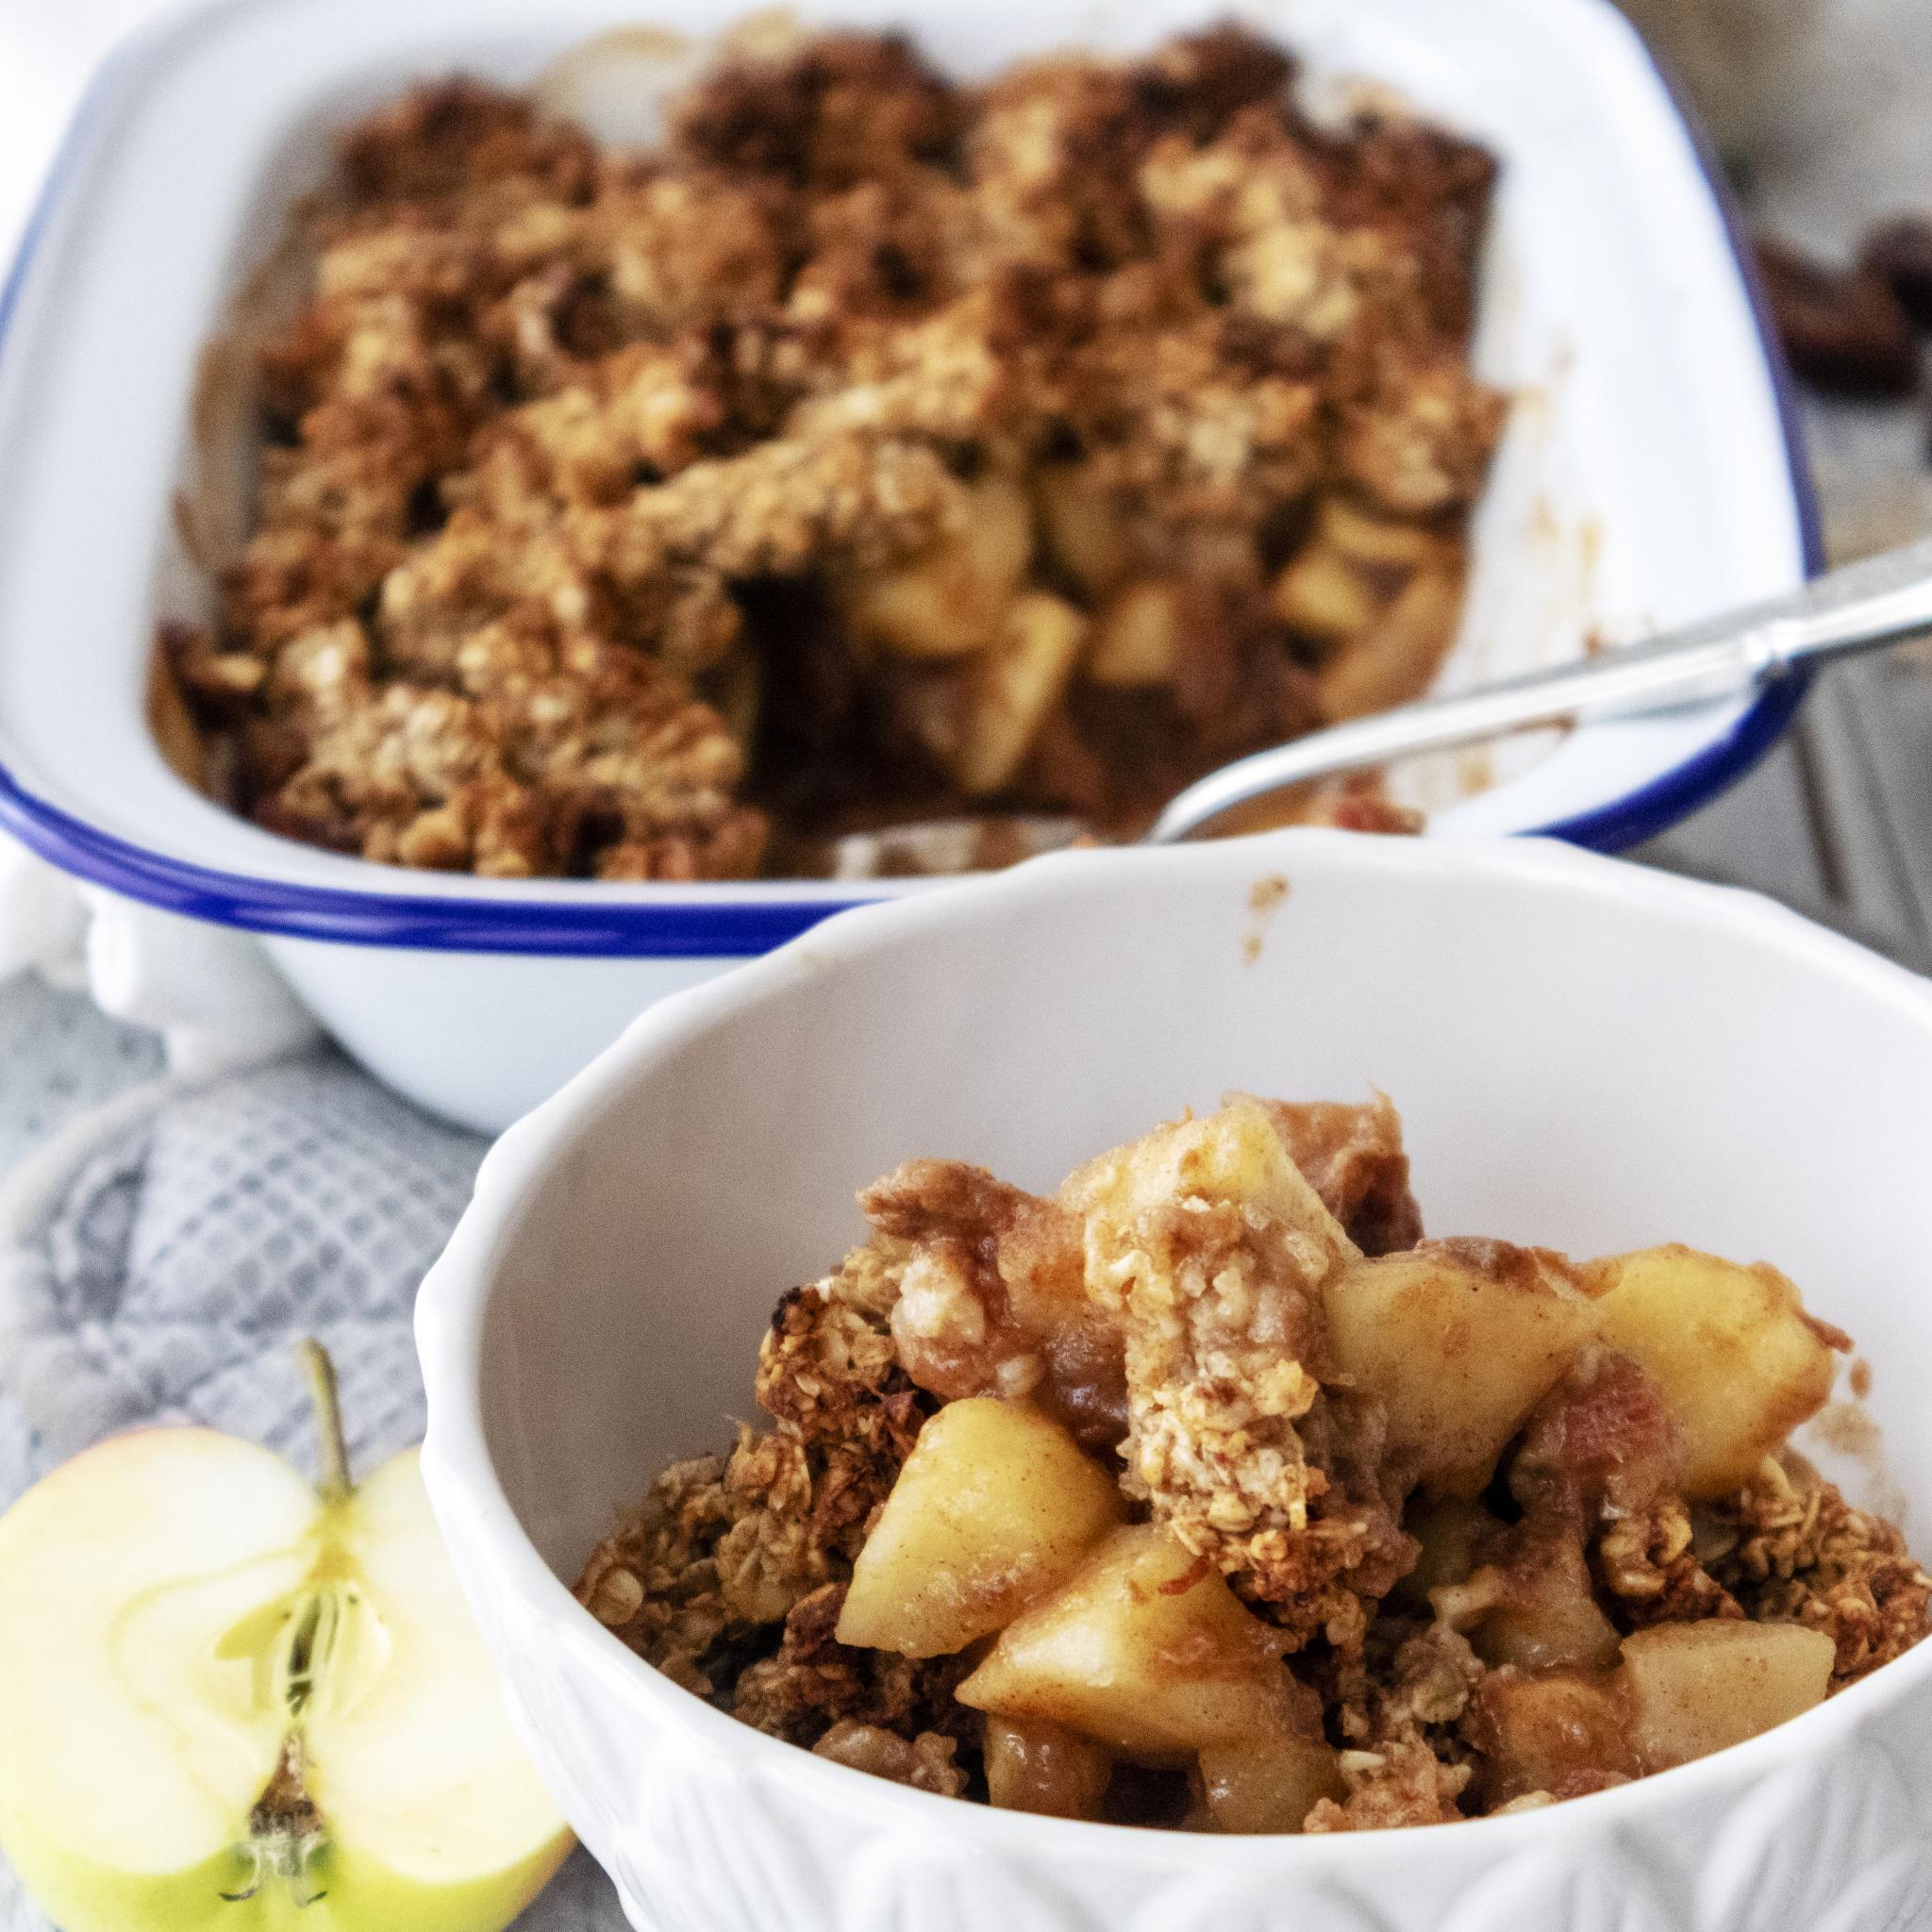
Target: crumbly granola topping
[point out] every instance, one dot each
(1402, 1782)
(1331, 1642)
(1649, 1564)
(926, 1762)
(876, 448)
(1799, 1553)
(1218, 1315)
(816, 1688)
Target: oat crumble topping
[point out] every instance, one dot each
(1132, 1521)
(874, 448)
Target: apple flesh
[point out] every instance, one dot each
(231, 1700)
(996, 1505)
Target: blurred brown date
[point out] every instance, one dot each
(1845, 330)
(1900, 251)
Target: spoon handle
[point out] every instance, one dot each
(1884, 600)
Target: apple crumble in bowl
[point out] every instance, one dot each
(1417, 1526)
(1207, 1491)
(874, 447)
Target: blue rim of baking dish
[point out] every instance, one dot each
(733, 928)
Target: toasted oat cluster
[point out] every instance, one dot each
(1210, 1493)
(873, 449)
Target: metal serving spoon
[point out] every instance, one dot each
(1864, 607)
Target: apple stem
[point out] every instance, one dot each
(332, 1448)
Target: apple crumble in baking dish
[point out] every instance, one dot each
(873, 448)
(1208, 1493)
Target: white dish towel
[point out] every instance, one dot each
(159, 1257)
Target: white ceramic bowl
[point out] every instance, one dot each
(1647, 476)
(1586, 1054)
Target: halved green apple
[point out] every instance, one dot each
(229, 1699)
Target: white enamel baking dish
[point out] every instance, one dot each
(1586, 1054)
(1648, 476)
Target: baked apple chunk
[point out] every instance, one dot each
(1738, 1361)
(1691, 1688)
(1210, 1493)
(1147, 1650)
(1458, 1341)
(995, 1506)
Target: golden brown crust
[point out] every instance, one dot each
(992, 1299)
(1234, 1442)
(724, 1548)
(926, 1762)
(1221, 1313)
(653, 1582)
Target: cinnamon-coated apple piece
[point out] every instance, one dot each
(1452, 1535)
(1267, 1788)
(1736, 1359)
(1537, 1611)
(1545, 1730)
(1145, 1649)
(995, 1506)
(1692, 1689)
(1035, 1765)
(948, 602)
(1234, 1155)
(1458, 1340)
(231, 1700)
